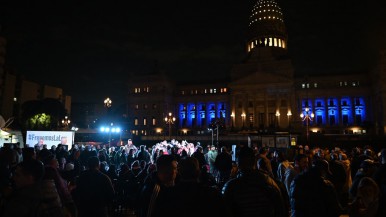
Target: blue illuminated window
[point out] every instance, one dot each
(358, 119)
(345, 119)
(332, 120)
(319, 120)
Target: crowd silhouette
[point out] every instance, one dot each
(173, 178)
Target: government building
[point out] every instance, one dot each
(264, 102)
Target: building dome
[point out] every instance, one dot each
(266, 26)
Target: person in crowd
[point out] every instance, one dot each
(348, 182)
(184, 153)
(356, 160)
(39, 144)
(199, 155)
(366, 202)
(212, 154)
(124, 172)
(207, 178)
(174, 153)
(104, 167)
(112, 153)
(338, 178)
(53, 149)
(143, 169)
(121, 156)
(69, 207)
(130, 156)
(86, 154)
(189, 191)
(312, 194)
(223, 164)
(156, 190)
(275, 161)
(102, 155)
(301, 165)
(94, 191)
(366, 169)
(283, 164)
(73, 168)
(263, 153)
(252, 193)
(112, 172)
(29, 153)
(135, 168)
(264, 167)
(60, 153)
(130, 145)
(143, 154)
(32, 196)
(380, 179)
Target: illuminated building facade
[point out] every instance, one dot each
(264, 94)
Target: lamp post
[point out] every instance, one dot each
(110, 129)
(232, 119)
(289, 114)
(170, 120)
(243, 119)
(307, 116)
(211, 129)
(277, 118)
(108, 102)
(65, 122)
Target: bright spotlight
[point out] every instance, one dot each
(102, 129)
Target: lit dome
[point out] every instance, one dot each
(266, 26)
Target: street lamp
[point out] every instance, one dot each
(243, 119)
(110, 129)
(211, 129)
(277, 118)
(232, 119)
(66, 122)
(289, 114)
(307, 116)
(170, 120)
(108, 102)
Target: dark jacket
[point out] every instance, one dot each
(200, 157)
(380, 179)
(34, 200)
(143, 155)
(153, 197)
(223, 162)
(192, 199)
(94, 193)
(313, 195)
(254, 194)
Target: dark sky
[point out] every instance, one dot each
(90, 48)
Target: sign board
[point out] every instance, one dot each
(50, 138)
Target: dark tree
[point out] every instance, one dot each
(42, 114)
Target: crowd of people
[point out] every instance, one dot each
(174, 178)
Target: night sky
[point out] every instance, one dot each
(90, 48)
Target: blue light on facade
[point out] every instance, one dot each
(200, 114)
(346, 110)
